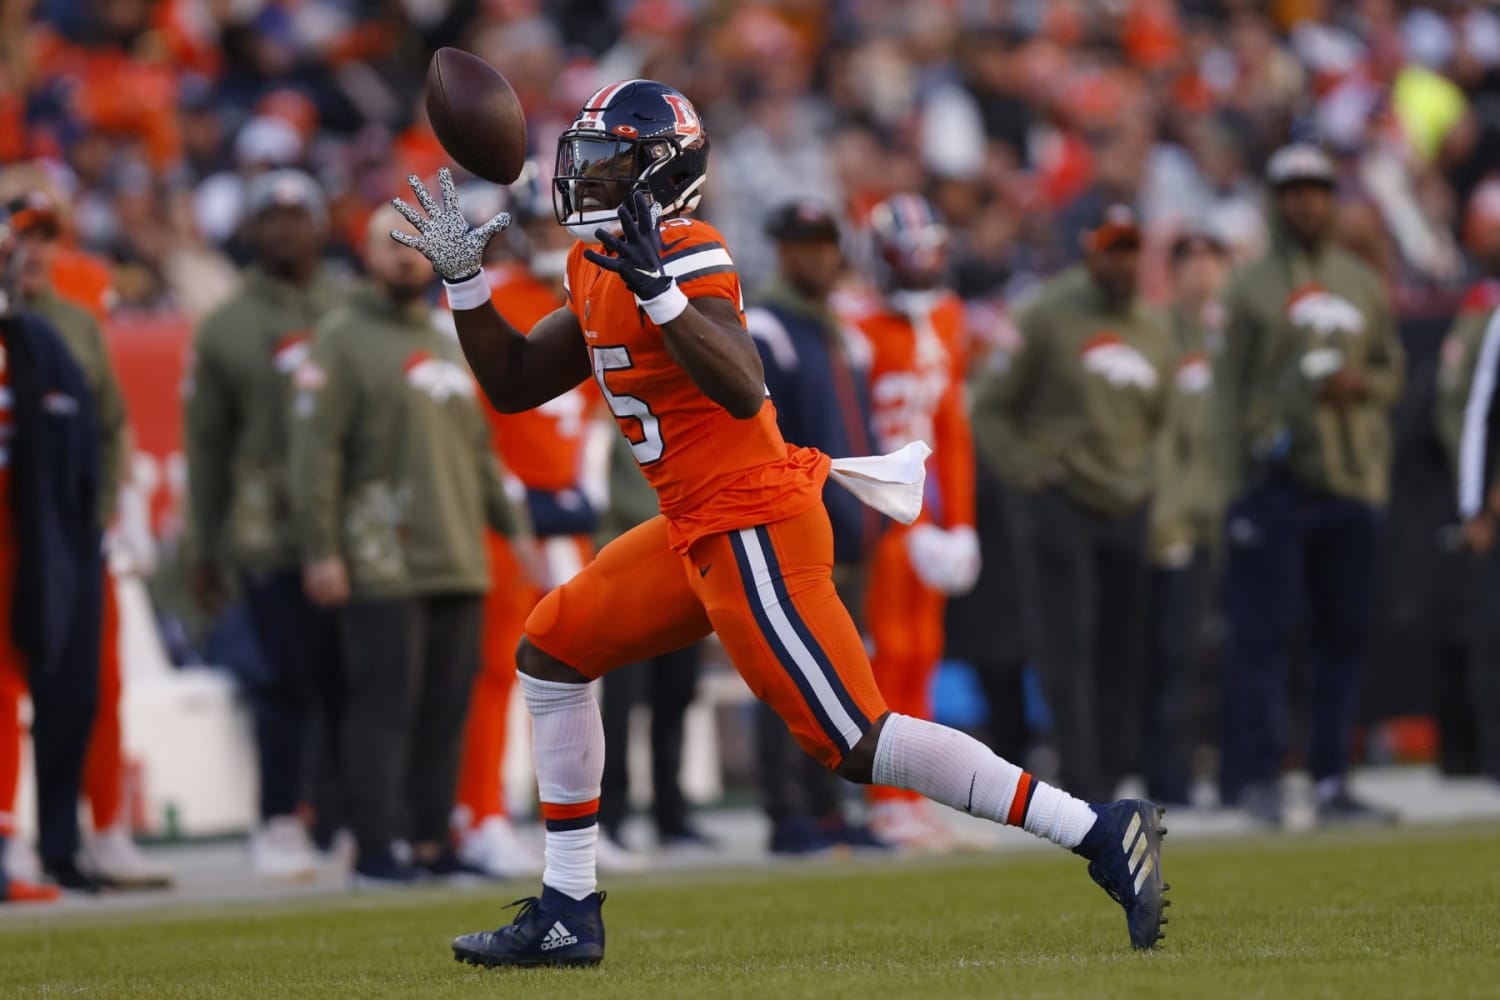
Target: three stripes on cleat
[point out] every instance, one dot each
(1134, 844)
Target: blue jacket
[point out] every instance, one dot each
(54, 498)
(821, 387)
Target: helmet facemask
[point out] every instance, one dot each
(596, 173)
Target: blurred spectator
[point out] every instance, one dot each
(1310, 369)
(917, 369)
(235, 423)
(1466, 416)
(667, 684)
(37, 216)
(1185, 518)
(51, 572)
(1072, 424)
(817, 372)
(392, 483)
(543, 452)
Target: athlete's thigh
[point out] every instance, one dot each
(631, 603)
(769, 593)
(903, 615)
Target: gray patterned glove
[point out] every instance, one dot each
(446, 239)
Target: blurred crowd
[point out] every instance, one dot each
(1150, 181)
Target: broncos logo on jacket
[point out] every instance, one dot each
(1118, 363)
(439, 378)
(1325, 313)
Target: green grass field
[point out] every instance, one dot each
(1414, 913)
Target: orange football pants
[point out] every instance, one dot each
(510, 600)
(768, 593)
(904, 618)
(12, 683)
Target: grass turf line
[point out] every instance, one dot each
(1409, 913)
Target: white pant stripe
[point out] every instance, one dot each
(803, 660)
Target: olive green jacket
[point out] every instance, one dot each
(237, 396)
(1295, 316)
(391, 463)
(1083, 399)
(1189, 500)
(80, 331)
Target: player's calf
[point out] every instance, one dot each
(1122, 840)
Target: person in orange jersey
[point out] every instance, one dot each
(71, 289)
(542, 450)
(918, 361)
(742, 547)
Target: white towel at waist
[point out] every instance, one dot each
(892, 484)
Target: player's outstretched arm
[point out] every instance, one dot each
(704, 335)
(515, 371)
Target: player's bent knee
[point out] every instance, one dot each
(858, 764)
(534, 662)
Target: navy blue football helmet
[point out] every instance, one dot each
(629, 136)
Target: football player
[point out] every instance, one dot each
(742, 546)
(916, 336)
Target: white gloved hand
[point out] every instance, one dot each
(945, 560)
(455, 249)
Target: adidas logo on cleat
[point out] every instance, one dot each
(558, 937)
(1134, 845)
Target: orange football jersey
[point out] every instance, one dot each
(917, 371)
(542, 447)
(711, 472)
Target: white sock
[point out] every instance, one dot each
(957, 770)
(567, 740)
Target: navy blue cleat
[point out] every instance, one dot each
(1124, 852)
(551, 929)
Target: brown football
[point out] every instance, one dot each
(476, 116)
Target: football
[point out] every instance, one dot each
(476, 116)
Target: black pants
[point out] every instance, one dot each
(1294, 554)
(299, 643)
(1083, 593)
(1484, 671)
(1179, 602)
(1002, 681)
(792, 783)
(64, 697)
(410, 667)
(667, 683)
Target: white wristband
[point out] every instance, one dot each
(471, 293)
(665, 307)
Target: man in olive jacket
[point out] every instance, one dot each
(236, 397)
(393, 481)
(1072, 425)
(1185, 517)
(1310, 370)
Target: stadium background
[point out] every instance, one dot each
(1019, 118)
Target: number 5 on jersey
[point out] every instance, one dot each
(649, 448)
